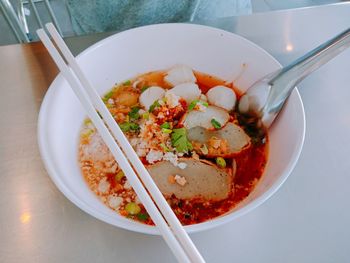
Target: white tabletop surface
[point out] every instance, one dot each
(307, 220)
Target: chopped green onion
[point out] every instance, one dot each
(133, 208)
(87, 121)
(205, 104)
(142, 216)
(165, 125)
(154, 105)
(167, 130)
(215, 124)
(108, 95)
(164, 147)
(125, 126)
(134, 126)
(86, 134)
(220, 162)
(195, 102)
(129, 126)
(145, 115)
(134, 113)
(144, 88)
(119, 176)
(192, 104)
(126, 83)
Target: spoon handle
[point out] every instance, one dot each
(288, 77)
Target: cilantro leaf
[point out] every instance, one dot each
(179, 140)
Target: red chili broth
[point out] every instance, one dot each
(250, 167)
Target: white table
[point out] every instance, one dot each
(307, 220)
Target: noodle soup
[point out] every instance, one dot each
(202, 154)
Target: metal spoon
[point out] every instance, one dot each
(265, 98)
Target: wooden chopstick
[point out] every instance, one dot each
(91, 94)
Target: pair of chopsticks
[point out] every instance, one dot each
(166, 221)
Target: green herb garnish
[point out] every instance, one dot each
(108, 95)
(142, 216)
(145, 115)
(164, 147)
(86, 134)
(215, 124)
(220, 162)
(165, 125)
(133, 208)
(87, 121)
(153, 106)
(134, 126)
(194, 103)
(129, 126)
(144, 88)
(119, 176)
(167, 130)
(134, 113)
(127, 83)
(179, 140)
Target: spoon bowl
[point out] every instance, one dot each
(266, 97)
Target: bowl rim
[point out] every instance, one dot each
(141, 228)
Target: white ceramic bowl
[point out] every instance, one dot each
(155, 47)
